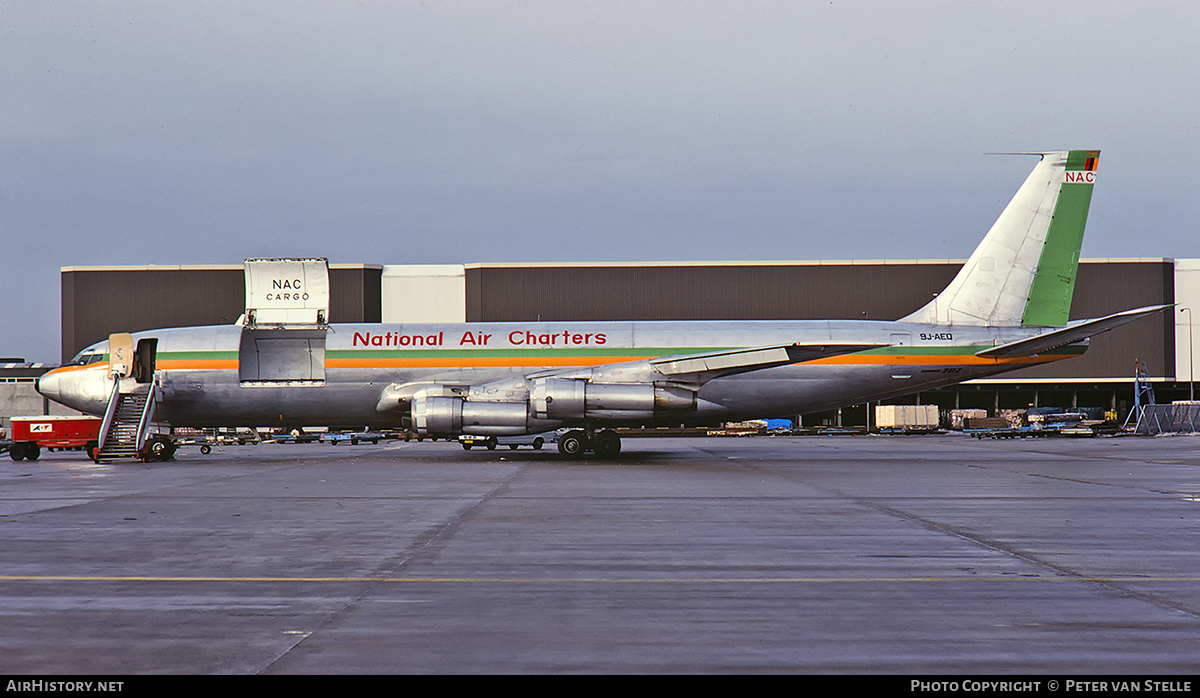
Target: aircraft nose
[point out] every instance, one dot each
(86, 391)
(50, 385)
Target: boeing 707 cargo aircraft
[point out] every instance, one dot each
(1006, 309)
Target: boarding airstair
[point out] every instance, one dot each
(123, 433)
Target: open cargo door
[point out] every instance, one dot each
(282, 355)
(286, 321)
(283, 293)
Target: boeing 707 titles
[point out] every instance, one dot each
(1006, 309)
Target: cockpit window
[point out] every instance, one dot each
(87, 356)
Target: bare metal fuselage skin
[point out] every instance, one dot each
(202, 377)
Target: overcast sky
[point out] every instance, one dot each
(452, 132)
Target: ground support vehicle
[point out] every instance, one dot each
(31, 434)
(290, 439)
(536, 441)
(203, 441)
(353, 437)
(1009, 433)
(206, 439)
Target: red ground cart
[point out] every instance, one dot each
(31, 434)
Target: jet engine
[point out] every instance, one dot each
(572, 399)
(448, 416)
(549, 403)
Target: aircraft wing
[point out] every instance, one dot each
(721, 363)
(687, 368)
(1068, 335)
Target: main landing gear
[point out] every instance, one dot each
(576, 443)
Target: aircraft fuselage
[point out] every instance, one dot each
(214, 376)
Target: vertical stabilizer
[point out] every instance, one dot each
(1023, 273)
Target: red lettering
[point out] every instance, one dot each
(529, 337)
(391, 339)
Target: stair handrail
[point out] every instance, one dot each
(109, 413)
(147, 413)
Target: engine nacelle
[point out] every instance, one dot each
(440, 410)
(568, 398)
(450, 416)
(437, 415)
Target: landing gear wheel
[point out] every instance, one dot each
(572, 444)
(160, 449)
(606, 444)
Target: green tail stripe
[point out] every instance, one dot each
(1053, 285)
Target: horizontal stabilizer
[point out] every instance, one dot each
(742, 360)
(1068, 335)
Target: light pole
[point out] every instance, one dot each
(1191, 358)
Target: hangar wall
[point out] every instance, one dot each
(702, 291)
(97, 301)
(883, 290)
(423, 293)
(1187, 295)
